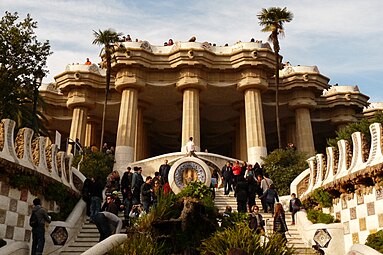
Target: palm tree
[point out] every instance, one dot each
(106, 38)
(272, 20)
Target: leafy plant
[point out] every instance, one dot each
(317, 216)
(375, 241)
(283, 166)
(139, 243)
(362, 126)
(242, 237)
(322, 197)
(96, 164)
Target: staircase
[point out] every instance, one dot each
(87, 237)
(221, 201)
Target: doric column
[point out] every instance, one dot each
(291, 133)
(140, 133)
(190, 84)
(302, 103)
(240, 139)
(90, 133)
(78, 126)
(255, 129)
(129, 84)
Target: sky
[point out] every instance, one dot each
(341, 37)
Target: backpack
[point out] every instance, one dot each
(33, 221)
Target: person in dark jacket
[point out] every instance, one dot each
(96, 197)
(241, 193)
(256, 221)
(251, 192)
(270, 196)
(146, 193)
(164, 172)
(279, 225)
(137, 181)
(86, 194)
(38, 231)
(107, 224)
(227, 177)
(295, 206)
(126, 183)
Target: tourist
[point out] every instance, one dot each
(265, 184)
(128, 39)
(170, 42)
(257, 169)
(270, 195)
(241, 194)
(227, 177)
(88, 63)
(37, 221)
(280, 225)
(164, 172)
(96, 197)
(236, 172)
(250, 172)
(137, 181)
(126, 183)
(190, 148)
(107, 224)
(110, 205)
(137, 211)
(113, 181)
(156, 192)
(294, 206)
(193, 39)
(256, 221)
(251, 192)
(86, 194)
(146, 193)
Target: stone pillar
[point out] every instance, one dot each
(302, 103)
(128, 83)
(242, 135)
(255, 129)
(78, 126)
(190, 84)
(305, 139)
(139, 143)
(90, 133)
(290, 133)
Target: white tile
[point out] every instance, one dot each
(4, 202)
(11, 218)
(3, 229)
(22, 207)
(14, 193)
(18, 234)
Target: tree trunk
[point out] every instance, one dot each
(108, 68)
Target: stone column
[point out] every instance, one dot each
(290, 133)
(139, 143)
(129, 84)
(78, 126)
(90, 133)
(242, 135)
(302, 103)
(191, 85)
(255, 129)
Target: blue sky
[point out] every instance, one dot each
(341, 37)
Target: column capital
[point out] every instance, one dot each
(303, 102)
(253, 82)
(129, 79)
(79, 98)
(191, 82)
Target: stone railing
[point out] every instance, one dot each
(349, 168)
(38, 155)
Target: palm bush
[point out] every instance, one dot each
(242, 237)
(375, 241)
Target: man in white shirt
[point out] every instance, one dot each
(190, 148)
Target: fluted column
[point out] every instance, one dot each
(191, 84)
(255, 129)
(126, 131)
(90, 131)
(302, 102)
(242, 135)
(305, 139)
(191, 118)
(78, 125)
(252, 83)
(139, 143)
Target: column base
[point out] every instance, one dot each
(123, 156)
(254, 154)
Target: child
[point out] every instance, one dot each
(295, 206)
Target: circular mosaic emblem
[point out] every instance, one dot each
(186, 170)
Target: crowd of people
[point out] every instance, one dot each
(138, 196)
(248, 182)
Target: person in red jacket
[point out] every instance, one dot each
(236, 172)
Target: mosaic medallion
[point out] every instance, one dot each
(59, 235)
(371, 208)
(353, 213)
(379, 194)
(322, 238)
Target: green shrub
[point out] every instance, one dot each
(96, 164)
(137, 244)
(322, 197)
(283, 166)
(242, 237)
(375, 241)
(317, 216)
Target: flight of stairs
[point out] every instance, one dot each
(221, 201)
(87, 238)
(89, 235)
